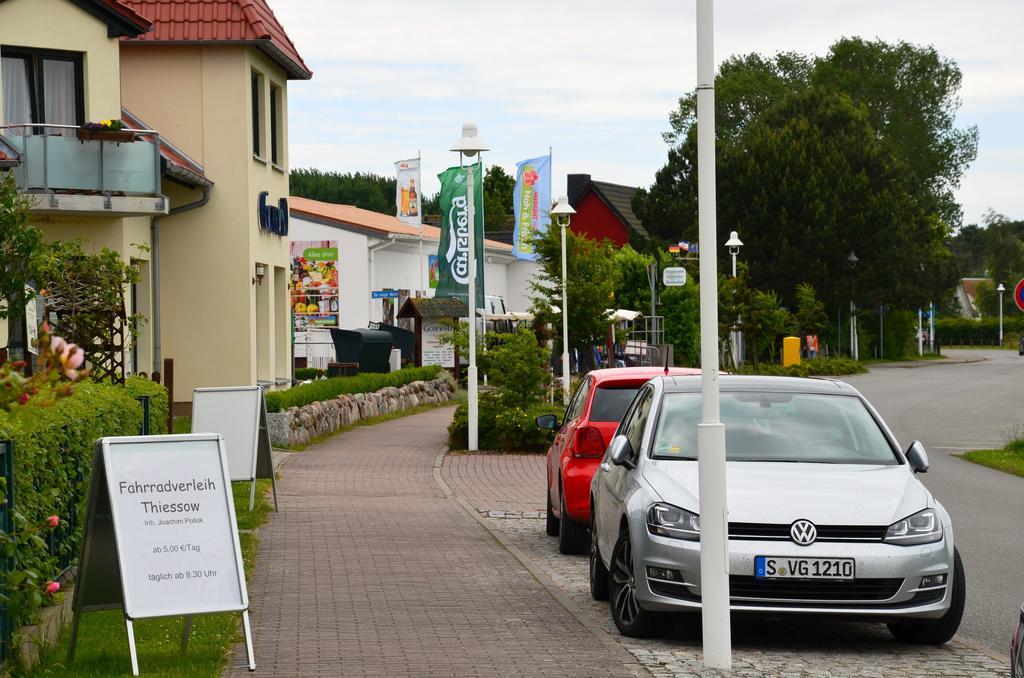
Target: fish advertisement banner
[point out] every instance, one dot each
(408, 201)
(531, 203)
(453, 251)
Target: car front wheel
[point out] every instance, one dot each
(941, 630)
(631, 619)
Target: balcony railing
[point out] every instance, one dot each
(96, 174)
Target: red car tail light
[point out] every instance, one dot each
(588, 442)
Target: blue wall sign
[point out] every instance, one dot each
(273, 219)
(384, 294)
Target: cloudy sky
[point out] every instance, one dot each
(596, 80)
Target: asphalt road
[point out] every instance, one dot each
(953, 408)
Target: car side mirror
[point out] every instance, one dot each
(621, 451)
(547, 421)
(917, 457)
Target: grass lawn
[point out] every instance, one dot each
(103, 641)
(184, 425)
(1009, 459)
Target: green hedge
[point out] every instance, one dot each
(954, 331)
(140, 386)
(503, 428)
(304, 373)
(326, 389)
(53, 454)
(815, 367)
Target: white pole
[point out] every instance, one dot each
(565, 323)
(471, 372)
(1000, 318)
(714, 543)
(931, 326)
(419, 213)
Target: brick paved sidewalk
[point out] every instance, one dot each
(502, 488)
(369, 570)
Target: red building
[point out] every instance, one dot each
(603, 210)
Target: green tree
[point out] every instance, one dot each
(19, 244)
(498, 190)
(810, 316)
(633, 291)
(680, 307)
(362, 189)
(968, 246)
(1004, 249)
(517, 368)
(592, 278)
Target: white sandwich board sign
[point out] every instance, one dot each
(160, 537)
(239, 414)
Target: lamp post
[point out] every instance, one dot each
(736, 337)
(1000, 289)
(714, 538)
(470, 145)
(562, 212)
(854, 343)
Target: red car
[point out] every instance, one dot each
(590, 421)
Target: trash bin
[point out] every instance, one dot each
(790, 351)
(370, 348)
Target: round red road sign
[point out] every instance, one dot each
(1018, 295)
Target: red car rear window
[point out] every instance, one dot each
(610, 402)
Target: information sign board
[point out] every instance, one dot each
(160, 537)
(674, 276)
(384, 294)
(239, 414)
(433, 351)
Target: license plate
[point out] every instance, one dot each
(781, 567)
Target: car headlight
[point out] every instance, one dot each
(671, 521)
(921, 528)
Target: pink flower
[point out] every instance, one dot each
(52, 587)
(23, 399)
(57, 345)
(53, 521)
(530, 177)
(71, 358)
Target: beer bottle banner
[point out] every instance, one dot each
(407, 198)
(531, 203)
(453, 251)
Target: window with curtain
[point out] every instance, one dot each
(275, 122)
(256, 85)
(41, 86)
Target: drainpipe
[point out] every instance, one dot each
(154, 243)
(373, 249)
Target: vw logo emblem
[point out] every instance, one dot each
(803, 532)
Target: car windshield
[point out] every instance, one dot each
(780, 427)
(610, 402)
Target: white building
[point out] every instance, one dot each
(379, 252)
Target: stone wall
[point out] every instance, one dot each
(299, 425)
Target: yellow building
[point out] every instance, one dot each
(202, 188)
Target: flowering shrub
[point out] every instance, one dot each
(108, 125)
(22, 589)
(60, 365)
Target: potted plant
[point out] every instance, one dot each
(105, 130)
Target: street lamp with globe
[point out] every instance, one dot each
(1000, 289)
(854, 343)
(736, 337)
(562, 212)
(470, 145)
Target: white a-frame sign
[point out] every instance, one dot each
(160, 535)
(239, 413)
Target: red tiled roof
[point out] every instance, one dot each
(244, 21)
(177, 161)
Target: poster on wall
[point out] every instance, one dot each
(314, 284)
(408, 202)
(434, 268)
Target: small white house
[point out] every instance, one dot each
(377, 252)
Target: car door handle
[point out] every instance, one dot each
(605, 466)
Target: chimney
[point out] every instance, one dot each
(576, 187)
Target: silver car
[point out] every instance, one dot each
(826, 514)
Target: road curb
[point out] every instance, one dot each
(618, 651)
(924, 363)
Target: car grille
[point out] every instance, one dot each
(742, 586)
(828, 533)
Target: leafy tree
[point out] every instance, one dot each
(680, 306)
(633, 291)
(362, 189)
(810, 316)
(19, 244)
(498, 190)
(911, 94)
(431, 205)
(1004, 249)
(968, 247)
(517, 367)
(592, 278)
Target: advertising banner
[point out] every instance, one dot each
(531, 203)
(314, 284)
(453, 252)
(408, 201)
(434, 268)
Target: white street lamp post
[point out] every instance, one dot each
(470, 145)
(734, 244)
(714, 543)
(562, 212)
(1000, 289)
